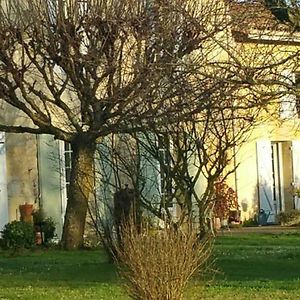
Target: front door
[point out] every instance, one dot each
(3, 183)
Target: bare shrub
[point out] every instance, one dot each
(157, 264)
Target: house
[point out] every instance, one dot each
(35, 168)
(268, 172)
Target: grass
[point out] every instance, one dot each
(58, 275)
(261, 266)
(255, 266)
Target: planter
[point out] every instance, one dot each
(26, 212)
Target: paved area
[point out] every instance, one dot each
(258, 229)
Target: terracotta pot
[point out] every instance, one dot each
(26, 212)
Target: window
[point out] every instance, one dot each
(164, 161)
(290, 103)
(297, 91)
(68, 165)
(65, 172)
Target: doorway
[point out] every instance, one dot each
(275, 177)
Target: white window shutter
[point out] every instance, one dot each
(288, 100)
(49, 178)
(3, 184)
(265, 179)
(296, 169)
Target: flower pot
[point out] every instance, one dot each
(26, 212)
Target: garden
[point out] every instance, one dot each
(252, 266)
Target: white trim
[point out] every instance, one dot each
(63, 186)
(281, 36)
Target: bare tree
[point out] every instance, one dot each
(234, 91)
(80, 70)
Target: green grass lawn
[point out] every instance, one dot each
(256, 266)
(261, 266)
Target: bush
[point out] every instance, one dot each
(158, 264)
(225, 200)
(252, 222)
(18, 234)
(48, 228)
(289, 218)
(44, 225)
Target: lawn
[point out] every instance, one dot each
(261, 266)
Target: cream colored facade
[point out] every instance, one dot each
(268, 164)
(268, 171)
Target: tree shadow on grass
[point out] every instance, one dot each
(58, 267)
(261, 257)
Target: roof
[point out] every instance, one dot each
(252, 16)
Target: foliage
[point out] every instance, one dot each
(289, 218)
(44, 225)
(38, 216)
(250, 222)
(158, 264)
(18, 234)
(48, 228)
(225, 199)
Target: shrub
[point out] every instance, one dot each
(289, 218)
(48, 228)
(225, 200)
(251, 222)
(18, 234)
(158, 264)
(44, 225)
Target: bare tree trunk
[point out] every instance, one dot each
(80, 190)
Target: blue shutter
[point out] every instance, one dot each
(50, 179)
(150, 184)
(265, 179)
